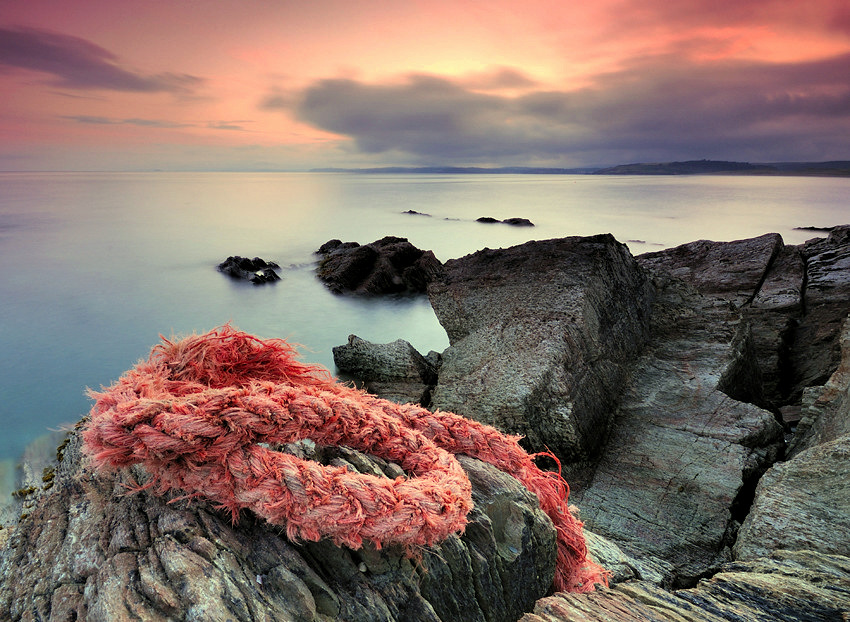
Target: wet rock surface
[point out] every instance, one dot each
(91, 551)
(256, 270)
(390, 265)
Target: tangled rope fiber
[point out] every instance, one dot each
(200, 413)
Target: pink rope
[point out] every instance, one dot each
(194, 414)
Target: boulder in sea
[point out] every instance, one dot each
(516, 222)
(390, 265)
(256, 270)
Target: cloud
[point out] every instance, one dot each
(655, 108)
(76, 63)
(96, 120)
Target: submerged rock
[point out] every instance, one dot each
(255, 270)
(390, 265)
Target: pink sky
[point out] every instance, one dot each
(264, 84)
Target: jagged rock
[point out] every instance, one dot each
(383, 362)
(815, 352)
(801, 504)
(541, 335)
(89, 550)
(395, 371)
(825, 410)
(386, 266)
(792, 586)
(729, 270)
(255, 270)
(681, 448)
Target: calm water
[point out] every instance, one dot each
(96, 266)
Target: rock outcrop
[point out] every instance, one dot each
(256, 270)
(92, 550)
(395, 371)
(792, 586)
(541, 336)
(390, 265)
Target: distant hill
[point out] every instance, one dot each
(838, 168)
(462, 170)
(835, 168)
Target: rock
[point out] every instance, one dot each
(415, 213)
(384, 362)
(255, 270)
(541, 336)
(729, 270)
(395, 371)
(92, 549)
(825, 411)
(677, 459)
(815, 352)
(798, 586)
(518, 222)
(386, 266)
(801, 504)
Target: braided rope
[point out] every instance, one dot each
(199, 413)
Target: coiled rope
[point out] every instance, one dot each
(200, 412)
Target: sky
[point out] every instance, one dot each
(284, 85)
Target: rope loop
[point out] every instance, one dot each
(202, 413)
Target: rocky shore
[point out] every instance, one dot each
(698, 399)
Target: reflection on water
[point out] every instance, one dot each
(96, 266)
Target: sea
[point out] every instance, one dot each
(95, 267)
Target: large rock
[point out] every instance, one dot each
(729, 270)
(92, 550)
(816, 352)
(801, 504)
(387, 266)
(541, 336)
(826, 409)
(791, 586)
(395, 371)
(682, 448)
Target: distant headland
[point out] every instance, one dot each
(834, 168)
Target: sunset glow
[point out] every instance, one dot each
(235, 85)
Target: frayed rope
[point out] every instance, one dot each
(196, 412)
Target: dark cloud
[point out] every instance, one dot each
(76, 63)
(95, 120)
(658, 108)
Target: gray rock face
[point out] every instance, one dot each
(91, 551)
(395, 371)
(387, 266)
(816, 352)
(798, 586)
(729, 270)
(540, 336)
(801, 504)
(826, 409)
(681, 447)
